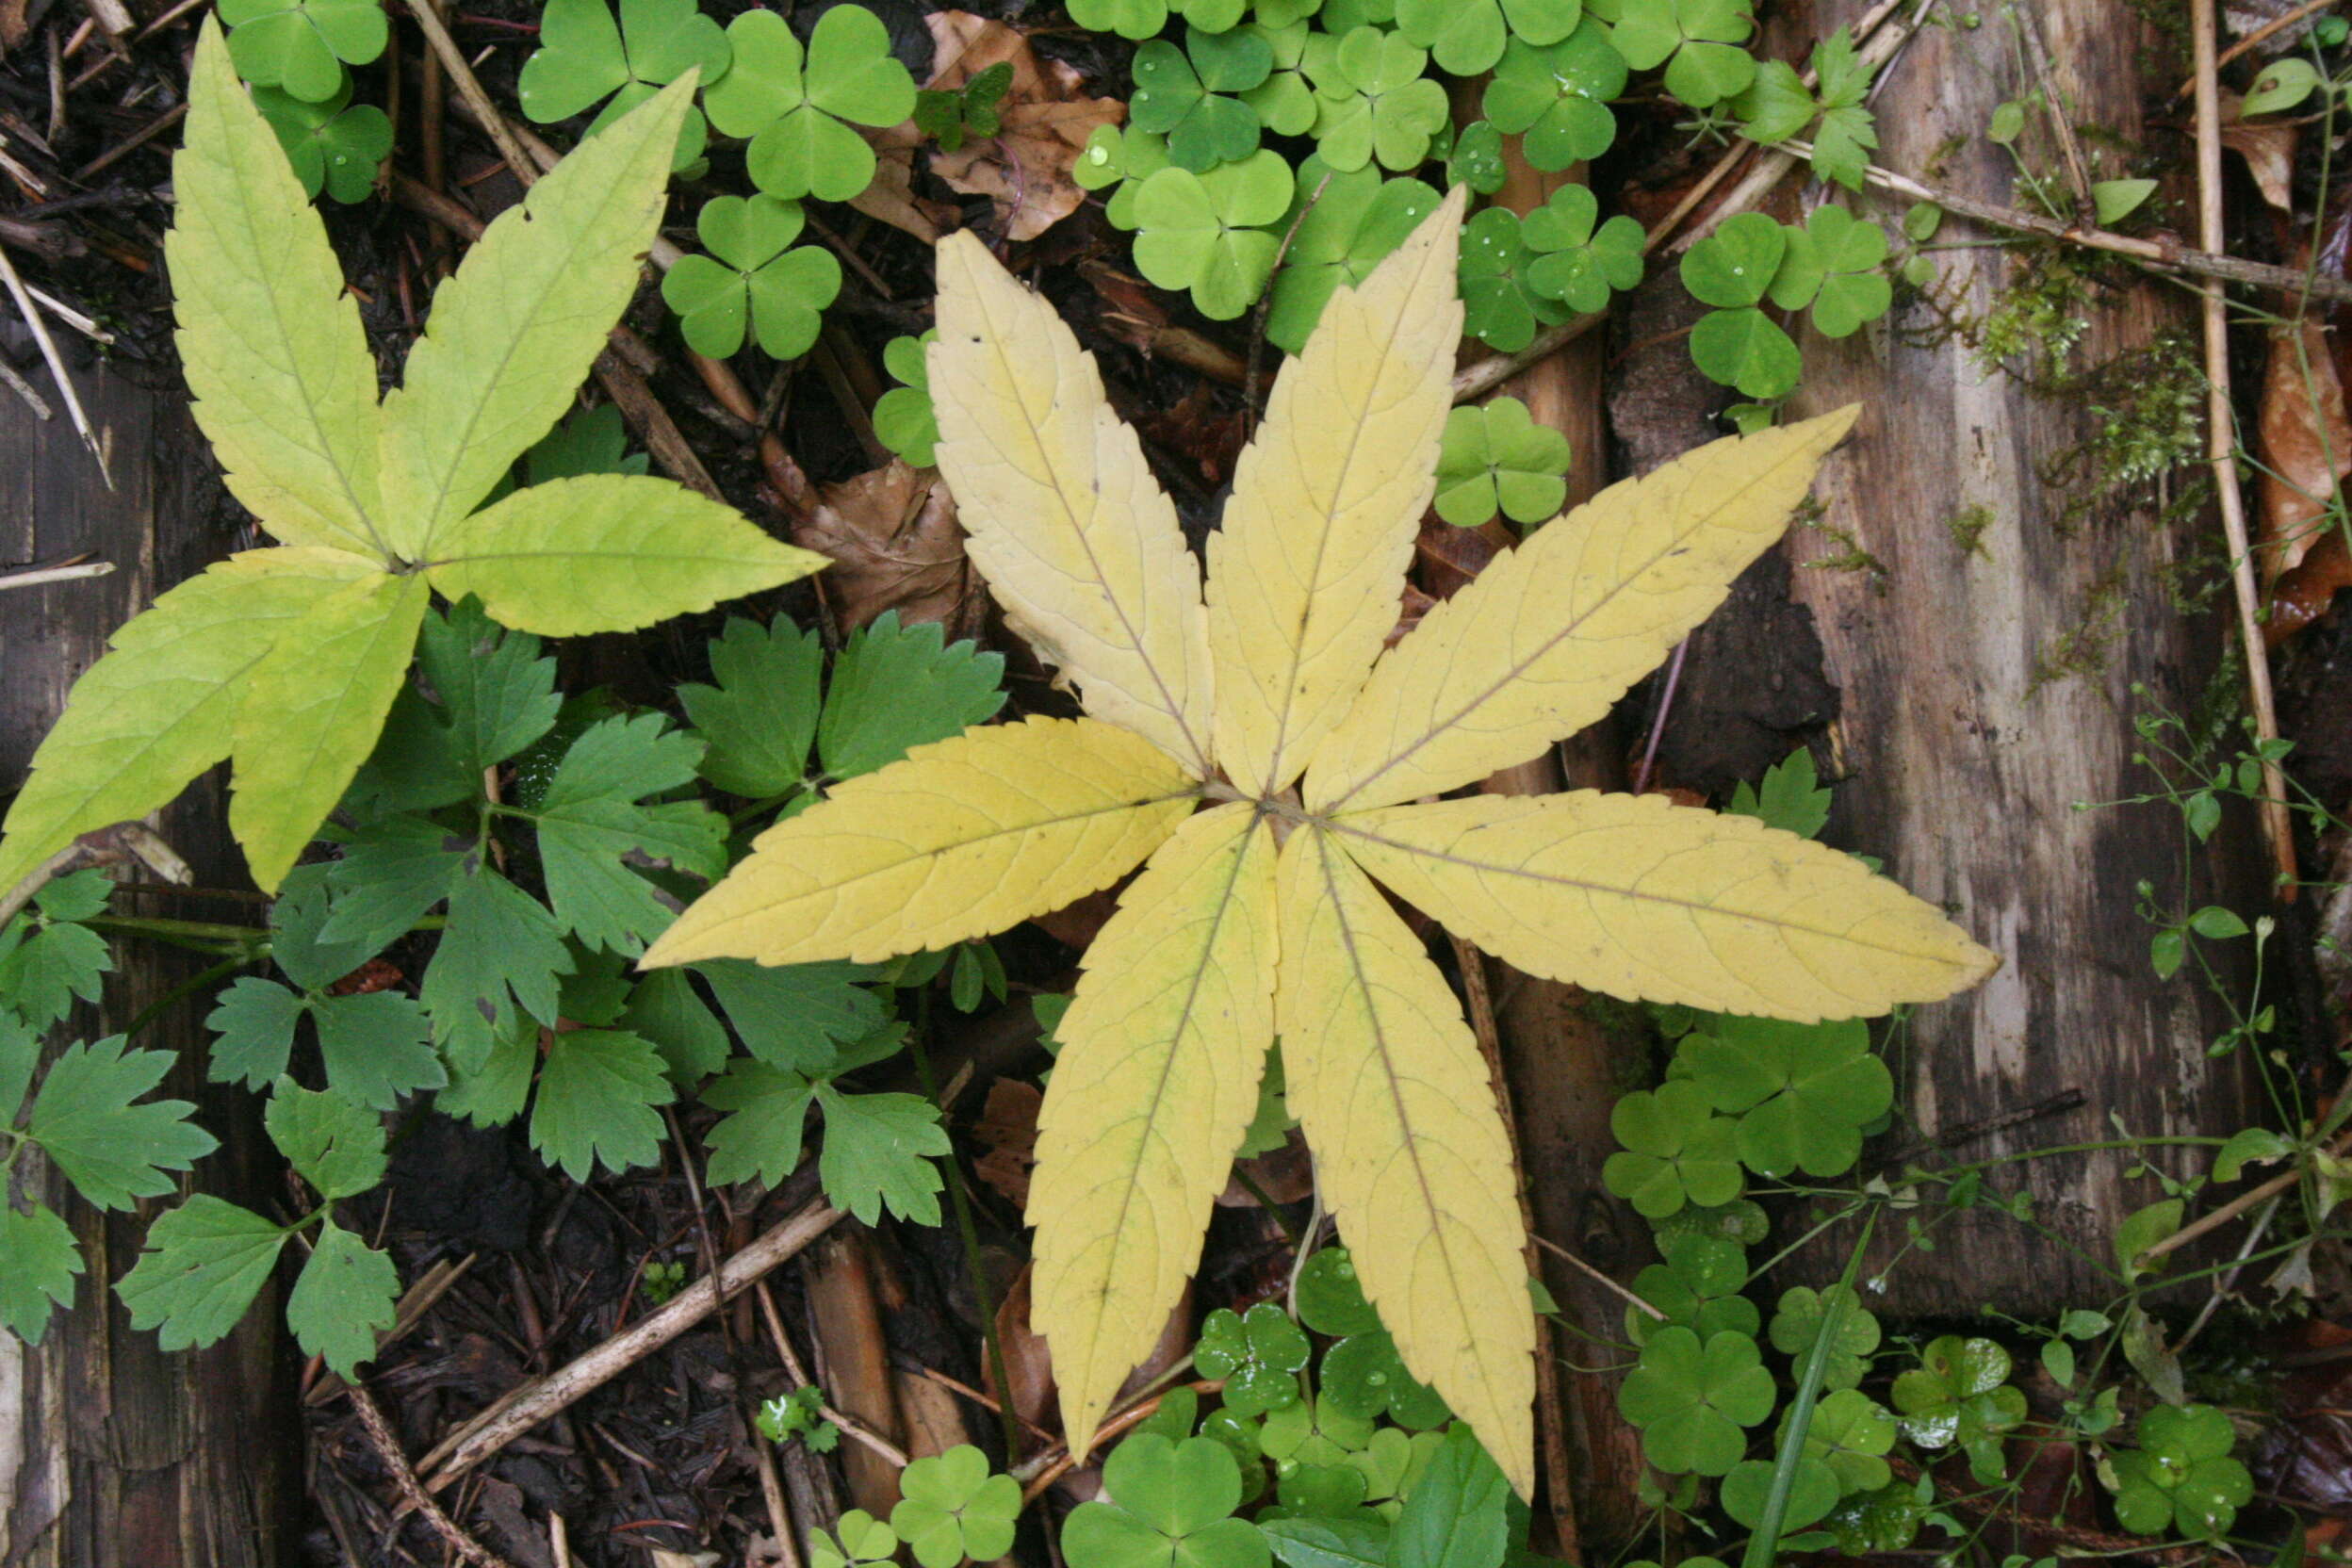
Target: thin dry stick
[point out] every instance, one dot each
(779, 1511)
(890, 1453)
(388, 1449)
(2221, 437)
(55, 362)
(36, 577)
(2078, 172)
(1562, 1253)
(535, 1401)
(2259, 36)
(130, 145)
(2236, 1206)
(24, 389)
(469, 88)
(2151, 253)
(71, 316)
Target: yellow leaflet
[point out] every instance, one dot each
(512, 332)
(608, 552)
(160, 707)
(960, 838)
(1651, 901)
(311, 713)
(1162, 1050)
(1411, 1152)
(1305, 576)
(1544, 640)
(285, 389)
(1066, 522)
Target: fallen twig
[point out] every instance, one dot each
(388, 1449)
(2221, 445)
(469, 88)
(39, 575)
(2254, 40)
(535, 1401)
(55, 362)
(890, 1453)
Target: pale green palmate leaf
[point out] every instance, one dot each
(288, 659)
(1165, 1035)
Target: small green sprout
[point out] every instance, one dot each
(859, 1539)
(662, 1281)
(799, 1416)
(949, 115)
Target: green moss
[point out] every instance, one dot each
(2037, 321)
(2083, 648)
(1967, 528)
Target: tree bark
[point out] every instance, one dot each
(110, 1449)
(1980, 694)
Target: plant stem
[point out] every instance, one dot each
(1763, 1547)
(187, 987)
(918, 1045)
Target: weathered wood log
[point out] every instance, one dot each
(1987, 622)
(110, 1449)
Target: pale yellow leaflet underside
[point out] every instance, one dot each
(1166, 1036)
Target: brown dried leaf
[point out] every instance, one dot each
(2303, 594)
(2306, 442)
(2269, 148)
(1024, 169)
(1028, 1366)
(1009, 1127)
(893, 538)
(890, 196)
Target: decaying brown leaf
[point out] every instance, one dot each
(890, 196)
(2269, 148)
(1007, 1129)
(893, 538)
(2306, 442)
(1046, 119)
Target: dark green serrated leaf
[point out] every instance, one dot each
(343, 1297)
(599, 1092)
(112, 1148)
(878, 1150)
(758, 722)
(335, 1144)
(895, 688)
(38, 1262)
(761, 1135)
(204, 1262)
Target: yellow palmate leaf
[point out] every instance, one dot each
(960, 838)
(1065, 521)
(1307, 573)
(1157, 1079)
(608, 552)
(514, 328)
(160, 707)
(1545, 639)
(311, 713)
(1411, 1152)
(1653, 902)
(284, 388)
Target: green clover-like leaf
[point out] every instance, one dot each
(1468, 36)
(1692, 1398)
(1797, 1323)
(1698, 1287)
(950, 1507)
(1339, 238)
(1121, 156)
(1555, 96)
(903, 419)
(1698, 41)
(1812, 1492)
(1330, 1298)
(1802, 1092)
(857, 1539)
(1886, 1520)
(1835, 265)
(1499, 308)
(1364, 1376)
(1285, 100)
(2181, 1475)
(1166, 1505)
(584, 58)
(1130, 19)
(1477, 159)
(1259, 1356)
(333, 145)
(791, 102)
(1184, 96)
(1576, 263)
(303, 46)
(1207, 232)
(1496, 456)
(1677, 1150)
(754, 276)
(1959, 1394)
(1313, 1431)
(1374, 101)
(1851, 1433)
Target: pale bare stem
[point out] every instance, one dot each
(55, 361)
